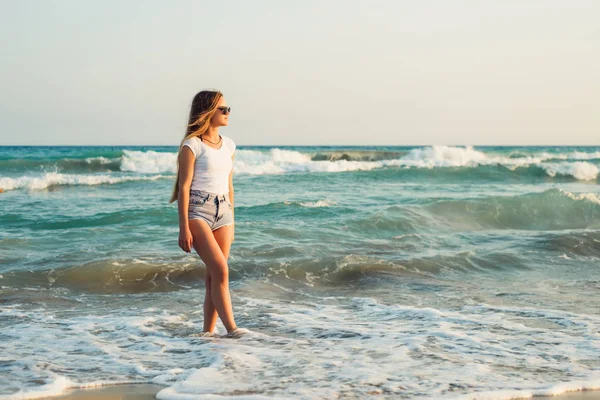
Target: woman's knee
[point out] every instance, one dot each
(217, 271)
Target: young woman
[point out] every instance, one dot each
(204, 191)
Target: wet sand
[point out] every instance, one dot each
(116, 392)
(149, 391)
(589, 395)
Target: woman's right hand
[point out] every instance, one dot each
(185, 239)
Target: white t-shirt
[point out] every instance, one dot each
(211, 172)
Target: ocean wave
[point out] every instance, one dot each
(277, 161)
(280, 161)
(445, 156)
(137, 275)
(63, 165)
(50, 179)
(102, 163)
(548, 210)
(431, 159)
(313, 204)
(148, 162)
(579, 243)
(579, 170)
(145, 274)
(149, 215)
(553, 209)
(357, 155)
(348, 269)
(111, 276)
(573, 155)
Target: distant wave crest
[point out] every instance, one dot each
(275, 161)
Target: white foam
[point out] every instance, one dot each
(316, 347)
(319, 203)
(314, 204)
(55, 387)
(591, 197)
(365, 347)
(150, 161)
(447, 156)
(581, 170)
(444, 156)
(277, 161)
(218, 379)
(574, 155)
(49, 179)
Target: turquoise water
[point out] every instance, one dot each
(425, 272)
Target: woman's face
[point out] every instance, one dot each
(221, 116)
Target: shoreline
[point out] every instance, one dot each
(148, 391)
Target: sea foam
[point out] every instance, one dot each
(148, 162)
(49, 179)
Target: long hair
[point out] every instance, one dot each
(203, 108)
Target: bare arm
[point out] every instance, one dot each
(187, 160)
(231, 194)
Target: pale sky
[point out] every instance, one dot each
(418, 72)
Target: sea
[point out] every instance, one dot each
(426, 272)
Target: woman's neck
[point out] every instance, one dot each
(211, 134)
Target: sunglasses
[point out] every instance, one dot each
(224, 110)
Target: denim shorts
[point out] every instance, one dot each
(215, 209)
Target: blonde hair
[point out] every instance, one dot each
(203, 108)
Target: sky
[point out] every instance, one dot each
(427, 72)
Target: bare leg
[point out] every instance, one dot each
(223, 237)
(210, 312)
(210, 252)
